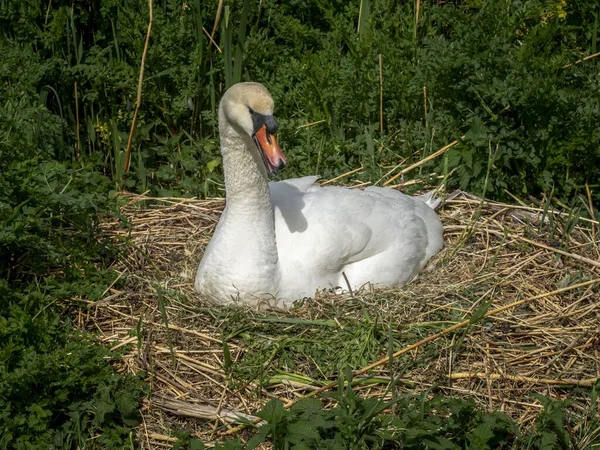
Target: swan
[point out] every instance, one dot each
(277, 242)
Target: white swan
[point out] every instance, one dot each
(281, 241)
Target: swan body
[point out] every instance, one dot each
(281, 241)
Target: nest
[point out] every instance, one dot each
(529, 275)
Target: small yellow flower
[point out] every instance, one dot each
(102, 132)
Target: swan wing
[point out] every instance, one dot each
(377, 235)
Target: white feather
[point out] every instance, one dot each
(281, 241)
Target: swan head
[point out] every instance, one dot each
(248, 107)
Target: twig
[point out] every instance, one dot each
(342, 176)
(589, 382)
(139, 93)
(587, 58)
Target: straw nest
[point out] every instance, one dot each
(533, 272)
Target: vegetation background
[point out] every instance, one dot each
(372, 83)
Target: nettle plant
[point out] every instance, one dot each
(413, 423)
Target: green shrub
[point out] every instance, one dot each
(57, 389)
(446, 75)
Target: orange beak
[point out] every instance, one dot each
(272, 155)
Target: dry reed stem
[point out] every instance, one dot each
(592, 214)
(210, 38)
(417, 10)
(138, 101)
(78, 139)
(425, 107)
(311, 124)
(434, 155)
(216, 24)
(587, 58)
(339, 177)
(380, 93)
(498, 376)
(205, 412)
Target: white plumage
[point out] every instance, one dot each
(281, 241)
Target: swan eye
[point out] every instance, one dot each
(259, 120)
(271, 124)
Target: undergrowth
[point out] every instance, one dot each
(308, 352)
(411, 422)
(57, 387)
(495, 75)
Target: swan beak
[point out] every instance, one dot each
(272, 155)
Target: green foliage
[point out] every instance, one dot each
(56, 388)
(450, 73)
(317, 348)
(551, 430)
(407, 422)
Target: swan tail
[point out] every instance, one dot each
(430, 199)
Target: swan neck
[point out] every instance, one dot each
(246, 180)
(247, 225)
